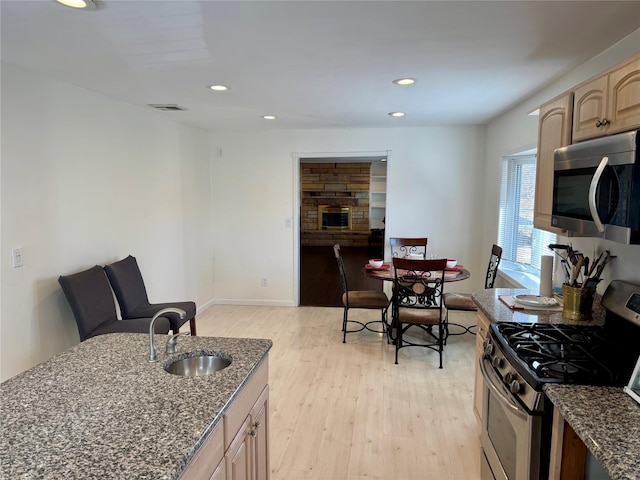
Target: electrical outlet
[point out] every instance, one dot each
(219, 152)
(264, 282)
(16, 257)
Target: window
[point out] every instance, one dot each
(520, 241)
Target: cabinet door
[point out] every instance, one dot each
(624, 98)
(238, 456)
(590, 108)
(260, 436)
(554, 132)
(483, 328)
(220, 472)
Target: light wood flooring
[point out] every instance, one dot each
(346, 411)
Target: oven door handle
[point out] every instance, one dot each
(506, 401)
(593, 186)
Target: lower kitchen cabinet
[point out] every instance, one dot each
(483, 329)
(248, 456)
(238, 448)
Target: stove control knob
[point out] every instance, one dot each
(508, 377)
(488, 347)
(515, 386)
(497, 362)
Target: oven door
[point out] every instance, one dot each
(511, 435)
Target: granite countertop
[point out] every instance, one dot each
(608, 422)
(101, 410)
(495, 310)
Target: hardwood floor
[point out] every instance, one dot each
(346, 411)
(320, 283)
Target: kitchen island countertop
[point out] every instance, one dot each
(101, 410)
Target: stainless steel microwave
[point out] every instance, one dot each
(596, 188)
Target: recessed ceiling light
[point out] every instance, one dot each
(219, 88)
(397, 114)
(405, 81)
(269, 117)
(83, 4)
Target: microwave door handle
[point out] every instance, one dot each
(592, 193)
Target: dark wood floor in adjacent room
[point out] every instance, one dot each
(320, 284)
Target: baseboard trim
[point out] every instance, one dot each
(254, 302)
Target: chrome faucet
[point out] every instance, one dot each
(152, 345)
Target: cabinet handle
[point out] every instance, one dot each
(254, 431)
(602, 123)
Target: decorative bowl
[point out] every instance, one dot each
(451, 263)
(376, 262)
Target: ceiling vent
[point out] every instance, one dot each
(167, 107)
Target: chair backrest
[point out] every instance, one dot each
(91, 300)
(343, 274)
(401, 247)
(492, 268)
(128, 285)
(419, 283)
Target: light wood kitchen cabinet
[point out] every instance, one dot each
(248, 455)
(483, 329)
(609, 103)
(238, 457)
(554, 131)
(238, 448)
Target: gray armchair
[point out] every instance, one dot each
(128, 285)
(94, 308)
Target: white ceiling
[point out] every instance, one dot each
(314, 64)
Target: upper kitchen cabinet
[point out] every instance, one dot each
(554, 131)
(609, 103)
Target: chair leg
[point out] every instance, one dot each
(398, 338)
(344, 325)
(192, 326)
(441, 346)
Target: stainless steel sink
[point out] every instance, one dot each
(198, 365)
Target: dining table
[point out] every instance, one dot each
(386, 273)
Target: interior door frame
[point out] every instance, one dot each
(298, 157)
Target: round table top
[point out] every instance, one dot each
(388, 274)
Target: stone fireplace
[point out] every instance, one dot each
(334, 204)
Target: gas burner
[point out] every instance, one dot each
(556, 369)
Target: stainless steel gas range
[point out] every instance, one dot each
(519, 358)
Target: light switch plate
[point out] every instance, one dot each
(16, 257)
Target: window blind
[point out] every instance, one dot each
(520, 241)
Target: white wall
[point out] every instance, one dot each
(434, 184)
(515, 130)
(87, 181)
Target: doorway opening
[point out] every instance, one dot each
(341, 199)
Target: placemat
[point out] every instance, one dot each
(513, 304)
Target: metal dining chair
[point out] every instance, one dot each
(463, 301)
(360, 299)
(403, 247)
(418, 304)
